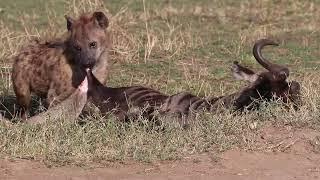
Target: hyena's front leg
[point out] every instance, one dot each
(23, 99)
(22, 90)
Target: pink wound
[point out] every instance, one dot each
(83, 87)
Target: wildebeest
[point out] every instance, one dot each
(262, 86)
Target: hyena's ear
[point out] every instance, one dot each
(69, 22)
(101, 19)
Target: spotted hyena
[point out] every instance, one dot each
(54, 69)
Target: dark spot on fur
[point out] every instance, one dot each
(51, 66)
(58, 86)
(25, 53)
(32, 51)
(38, 73)
(38, 62)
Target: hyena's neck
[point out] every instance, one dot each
(57, 42)
(61, 45)
(101, 68)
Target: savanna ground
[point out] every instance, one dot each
(173, 46)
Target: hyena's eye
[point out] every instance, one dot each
(93, 45)
(78, 48)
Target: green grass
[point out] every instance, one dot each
(104, 141)
(195, 42)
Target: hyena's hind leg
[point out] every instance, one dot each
(22, 91)
(243, 73)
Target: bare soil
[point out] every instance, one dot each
(284, 153)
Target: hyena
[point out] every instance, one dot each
(266, 85)
(53, 70)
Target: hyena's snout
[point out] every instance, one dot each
(88, 62)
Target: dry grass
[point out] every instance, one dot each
(172, 46)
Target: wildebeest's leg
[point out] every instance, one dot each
(243, 73)
(53, 98)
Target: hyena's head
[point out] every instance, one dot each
(88, 38)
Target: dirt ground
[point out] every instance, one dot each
(286, 153)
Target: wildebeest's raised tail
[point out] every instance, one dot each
(281, 72)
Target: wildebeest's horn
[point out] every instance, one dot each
(278, 69)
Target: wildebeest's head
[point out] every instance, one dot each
(266, 85)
